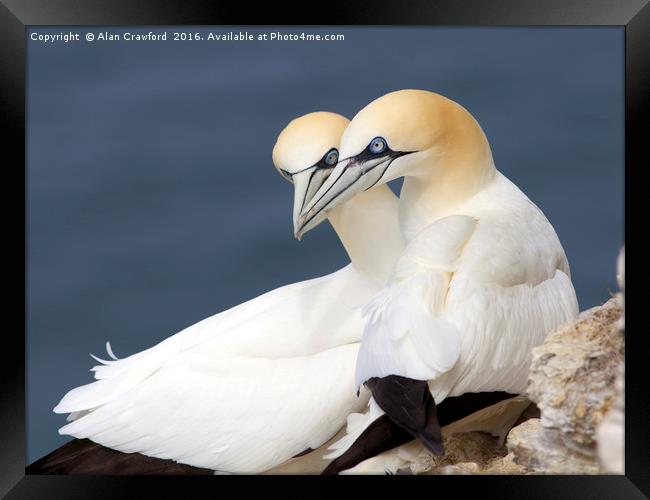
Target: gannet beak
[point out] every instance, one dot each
(350, 177)
(305, 185)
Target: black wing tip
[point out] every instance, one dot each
(332, 469)
(433, 445)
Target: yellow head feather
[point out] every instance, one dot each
(306, 139)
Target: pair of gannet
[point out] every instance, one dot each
(474, 290)
(482, 280)
(247, 389)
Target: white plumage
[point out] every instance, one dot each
(241, 391)
(407, 332)
(469, 298)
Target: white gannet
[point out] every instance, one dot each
(250, 387)
(482, 280)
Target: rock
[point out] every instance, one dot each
(620, 278)
(541, 451)
(572, 381)
(505, 465)
(469, 453)
(610, 434)
(461, 468)
(465, 453)
(573, 373)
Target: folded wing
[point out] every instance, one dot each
(407, 333)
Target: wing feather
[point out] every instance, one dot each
(293, 320)
(194, 416)
(406, 332)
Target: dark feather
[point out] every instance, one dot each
(384, 434)
(380, 436)
(409, 403)
(303, 453)
(82, 456)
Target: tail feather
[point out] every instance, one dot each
(115, 377)
(109, 350)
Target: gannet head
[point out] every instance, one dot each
(403, 133)
(306, 152)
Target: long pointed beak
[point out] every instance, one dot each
(348, 178)
(305, 185)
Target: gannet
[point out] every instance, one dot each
(249, 388)
(483, 277)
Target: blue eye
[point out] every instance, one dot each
(377, 145)
(332, 157)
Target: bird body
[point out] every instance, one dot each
(483, 277)
(473, 293)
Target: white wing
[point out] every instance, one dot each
(240, 414)
(283, 354)
(511, 288)
(407, 332)
(294, 320)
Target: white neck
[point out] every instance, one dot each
(368, 227)
(425, 199)
(458, 168)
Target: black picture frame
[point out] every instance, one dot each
(17, 15)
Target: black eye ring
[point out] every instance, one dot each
(377, 145)
(331, 158)
(287, 175)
